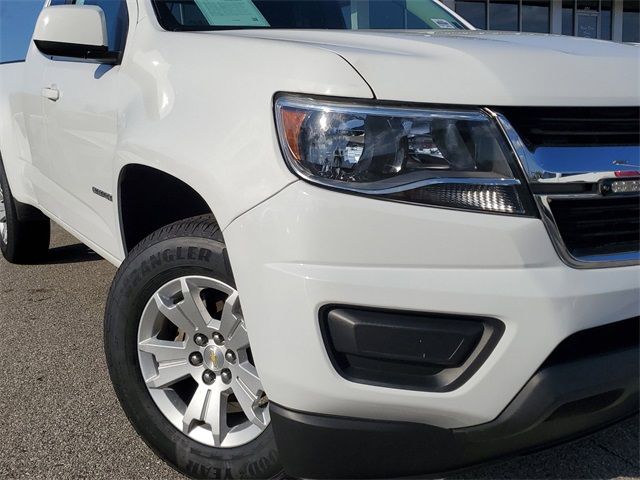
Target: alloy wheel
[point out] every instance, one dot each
(196, 362)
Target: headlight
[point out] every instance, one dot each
(451, 158)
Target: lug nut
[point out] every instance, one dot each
(218, 338)
(208, 377)
(195, 359)
(201, 340)
(225, 375)
(230, 356)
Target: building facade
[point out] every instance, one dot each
(617, 20)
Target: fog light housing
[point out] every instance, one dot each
(417, 351)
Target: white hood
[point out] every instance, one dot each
(481, 68)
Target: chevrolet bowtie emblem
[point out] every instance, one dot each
(214, 358)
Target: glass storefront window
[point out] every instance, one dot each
(568, 7)
(587, 24)
(588, 5)
(582, 18)
(535, 16)
(587, 18)
(503, 15)
(631, 21)
(474, 11)
(605, 19)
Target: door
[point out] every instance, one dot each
(81, 114)
(587, 24)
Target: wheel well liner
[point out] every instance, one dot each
(150, 199)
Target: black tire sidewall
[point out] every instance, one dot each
(137, 280)
(10, 211)
(27, 241)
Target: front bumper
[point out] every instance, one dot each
(308, 247)
(558, 403)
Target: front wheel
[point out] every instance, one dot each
(180, 359)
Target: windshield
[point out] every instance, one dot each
(179, 15)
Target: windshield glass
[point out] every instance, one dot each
(180, 15)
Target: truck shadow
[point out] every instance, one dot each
(76, 253)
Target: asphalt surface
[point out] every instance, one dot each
(59, 417)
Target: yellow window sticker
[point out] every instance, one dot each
(442, 23)
(229, 13)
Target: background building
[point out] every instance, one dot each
(617, 20)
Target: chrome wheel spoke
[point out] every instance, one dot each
(192, 306)
(248, 390)
(196, 408)
(172, 312)
(169, 373)
(247, 374)
(186, 314)
(216, 416)
(208, 406)
(231, 317)
(240, 338)
(164, 350)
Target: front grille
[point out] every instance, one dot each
(598, 226)
(572, 157)
(575, 126)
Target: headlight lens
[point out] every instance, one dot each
(454, 158)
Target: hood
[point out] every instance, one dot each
(474, 67)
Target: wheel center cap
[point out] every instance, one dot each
(213, 358)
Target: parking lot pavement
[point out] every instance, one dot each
(59, 417)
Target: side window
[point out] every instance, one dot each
(116, 15)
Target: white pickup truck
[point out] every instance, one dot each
(354, 238)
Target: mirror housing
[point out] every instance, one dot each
(75, 31)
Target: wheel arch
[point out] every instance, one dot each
(150, 198)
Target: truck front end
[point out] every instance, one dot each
(446, 284)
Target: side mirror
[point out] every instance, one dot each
(76, 31)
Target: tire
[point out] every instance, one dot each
(174, 258)
(22, 240)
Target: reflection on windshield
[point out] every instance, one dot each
(299, 14)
